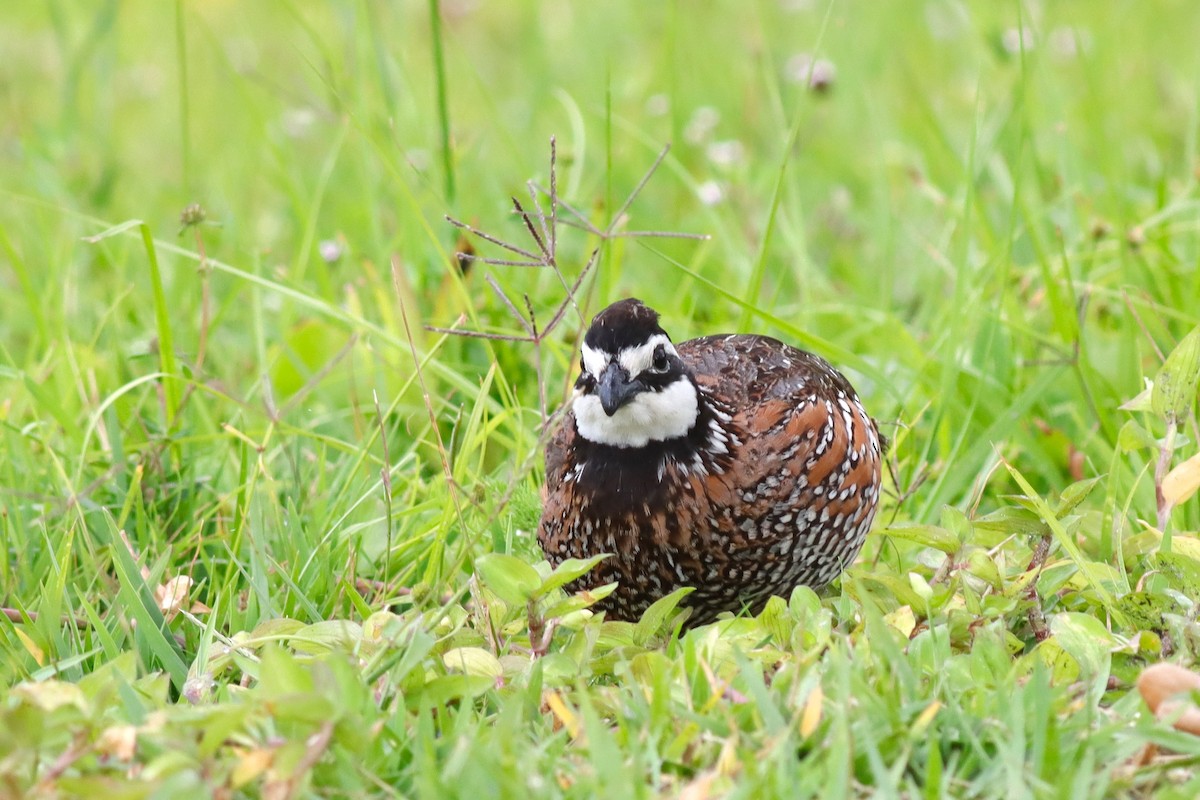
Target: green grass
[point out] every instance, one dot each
(998, 243)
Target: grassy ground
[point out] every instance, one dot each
(244, 489)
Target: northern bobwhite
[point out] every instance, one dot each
(734, 464)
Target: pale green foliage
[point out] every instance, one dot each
(993, 232)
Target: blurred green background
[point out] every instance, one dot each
(985, 213)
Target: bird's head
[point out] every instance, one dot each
(633, 388)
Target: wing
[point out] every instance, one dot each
(747, 370)
(562, 441)
(808, 474)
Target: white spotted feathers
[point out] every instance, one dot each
(734, 464)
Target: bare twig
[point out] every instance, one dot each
(541, 225)
(79, 746)
(17, 616)
(1036, 616)
(617, 217)
(512, 248)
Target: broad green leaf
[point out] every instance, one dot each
(804, 604)
(777, 621)
(1065, 540)
(510, 578)
(1063, 667)
(1182, 572)
(981, 565)
(50, 695)
(658, 613)
(282, 674)
(1086, 639)
(1073, 495)
(1011, 520)
(1133, 437)
(275, 630)
(568, 571)
(473, 661)
(955, 521)
(651, 668)
(1145, 610)
(1186, 545)
(440, 691)
(1142, 401)
(1175, 384)
(902, 619)
(921, 587)
(925, 535)
(322, 637)
(568, 605)
(900, 588)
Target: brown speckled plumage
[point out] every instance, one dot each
(773, 486)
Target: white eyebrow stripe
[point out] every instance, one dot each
(594, 361)
(637, 360)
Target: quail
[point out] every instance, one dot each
(734, 464)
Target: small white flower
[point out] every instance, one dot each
(330, 250)
(297, 121)
(1067, 42)
(703, 122)
(1014, 40)
(726, 153)
(657, 105)
(710, 193)
(816, 74)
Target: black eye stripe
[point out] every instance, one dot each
(659, 381)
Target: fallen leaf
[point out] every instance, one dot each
(922, 722)
(698, 788)
(119, 742)
(50, 695)
(172, 595)
(31, 647)
(810, 718)
(1181, 483)
(252, 764)
(562, 713)
(1165, 689)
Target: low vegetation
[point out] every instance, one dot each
(270, 437)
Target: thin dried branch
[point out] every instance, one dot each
(580, 221)
(637, 190)
(489, 238)
(469, 334)
(699, 237)
(540, 216)
(501, 262)
(553, 195)
(574, 290)
(527, 217)
(512, 308)
(541, 225)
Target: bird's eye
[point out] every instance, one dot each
(660, 359)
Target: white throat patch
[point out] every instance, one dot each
(648, 417)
